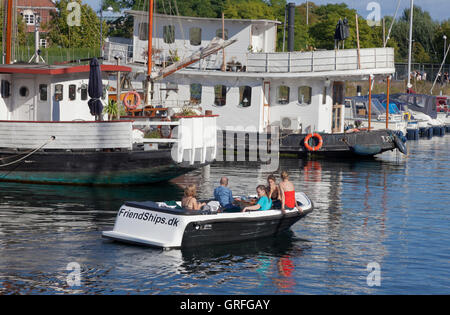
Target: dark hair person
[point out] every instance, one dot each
(274, 192)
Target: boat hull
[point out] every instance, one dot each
(92, 167)
(344, 144)
(154, 225)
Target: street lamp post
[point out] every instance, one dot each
(109, 9)
(307, 12)
(445, 45)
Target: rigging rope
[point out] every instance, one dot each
(30, 153)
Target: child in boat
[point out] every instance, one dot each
(274, 192)
(189, 200)
(264, 203)
(288, 200)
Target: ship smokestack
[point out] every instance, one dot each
(291, 22)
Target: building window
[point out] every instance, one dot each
(195, 36)
(43, 92)
(43, 42)
(283, 95)
(72, 92)
(219, 34)
(169, 34)
(29, 19)
(59, 92)
(245, 96)
(304, 95)
(143, 31)
(220, 95)
(196, 94)
(6, 89)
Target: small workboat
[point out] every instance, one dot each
(158, 224)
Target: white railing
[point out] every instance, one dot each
(319, 61)
(194, 138)
(112, 50)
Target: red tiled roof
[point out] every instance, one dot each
(35, 3)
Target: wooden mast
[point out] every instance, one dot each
(150, 38)
(9, 15)
(150, 53)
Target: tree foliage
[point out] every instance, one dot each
(86, 35)
(427, 34)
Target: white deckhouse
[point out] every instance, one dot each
(258, 87)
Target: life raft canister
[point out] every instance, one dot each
(127, 102)
(318, 146)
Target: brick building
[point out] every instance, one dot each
(31, 9)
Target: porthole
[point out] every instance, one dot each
(24, 91)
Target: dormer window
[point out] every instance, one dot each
(29, 17)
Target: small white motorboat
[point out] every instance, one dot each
(159, 225)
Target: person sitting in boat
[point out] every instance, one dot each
(274, 192)
(288, 200)
(263, 204)
(189, 200)
(224, 196)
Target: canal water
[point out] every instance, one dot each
(380, 227)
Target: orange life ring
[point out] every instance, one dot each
(161, 131)
(127, 103)
(318, 146)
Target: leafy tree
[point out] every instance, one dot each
(86, 35)
(424, 29)
(439, 42)
(419, 54)
(328, 16)
(21, 27)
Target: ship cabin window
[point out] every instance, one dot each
(72, 92)
(169, 34)
(219, 33)
(6, 89)
(105, 91)
(143, 31)
(43, 92)
(84, 92)
(283, 95)
(245, 96)
(24, 91)
(338, 93)
(360, 109)
(196, 94)
(304, 95)
(220, 95)
(59, 92)
(195, 36)
(324, 95)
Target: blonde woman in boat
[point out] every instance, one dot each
(189, 200)
(287, 188)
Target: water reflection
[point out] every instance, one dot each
(391, 210)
